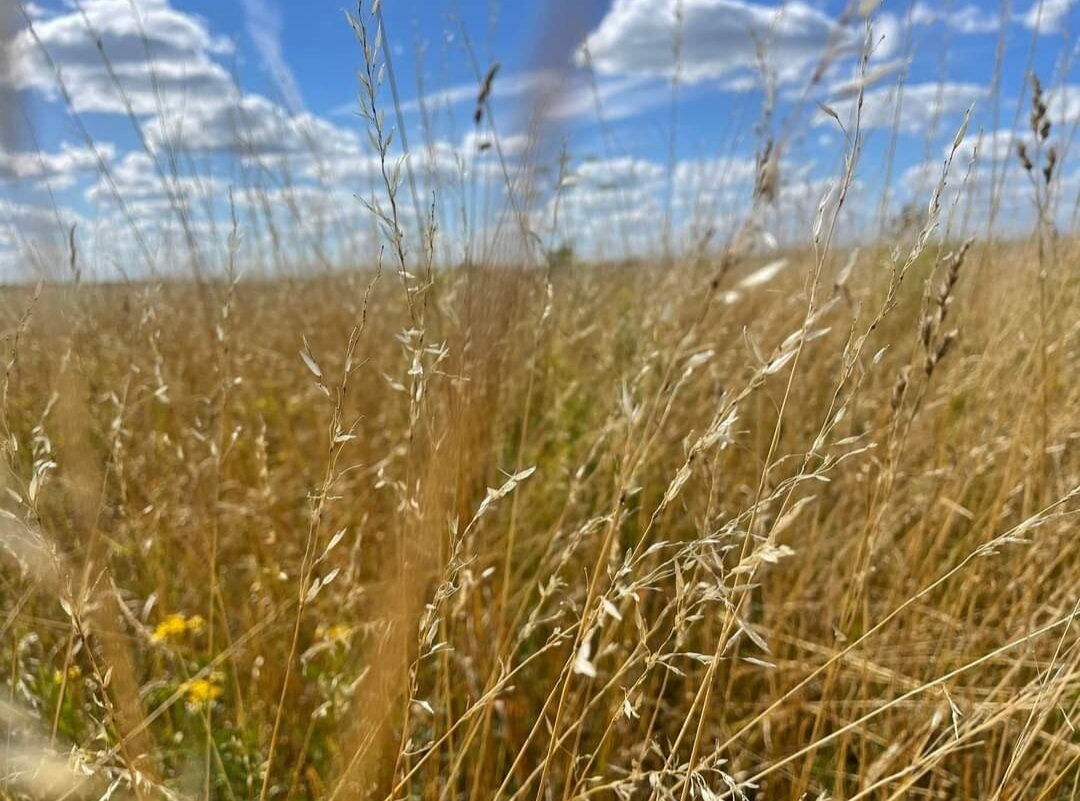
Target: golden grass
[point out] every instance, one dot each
(714, 527)
(719, 559)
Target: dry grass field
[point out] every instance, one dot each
(724, 525)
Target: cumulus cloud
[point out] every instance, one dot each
(158, 55)
(616, 207)
(511, 145)
(1063, 104)
(506, 87)
(966, 19)
(33, 238)
(149, 192)
(567, 95)
(618, 173)
(29, 217)
(1004, 187)
(251, 126)
(616, 98)
(709, 176)
(924, 104)
(59, 169)
(995, 145)
(1047, 16)
(437, 166)
(606, 207)
(845, 89)
(718, 38)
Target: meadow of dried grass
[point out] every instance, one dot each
(705, 527)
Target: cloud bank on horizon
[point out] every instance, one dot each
(146, 121)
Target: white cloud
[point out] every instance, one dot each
(707, 189)
(607, 223)
(619, 98)
(26, 216)
(263, 21)
(142, 187)
(157, 54)
(618, 173)
(1048, 16)
(715, 172)
(718, 38)
(607, 207)
(506, 87)
(301, 224)
(966, 19)
(253, 126)
(1063, 104)
(564, 95)
(511, 145)
(843, 90)
(35, 11)
(999, 145)
(58, 169)
(309, 218)
(33, 239)
(616, 207)
(441, 164)
(969, 197)
(923, 105)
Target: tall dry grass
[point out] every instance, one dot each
(704, 528)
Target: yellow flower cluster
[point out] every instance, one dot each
(175, 626)
(333, 632)
(202, 692)
(73, 672)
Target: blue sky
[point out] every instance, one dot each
(257, 98)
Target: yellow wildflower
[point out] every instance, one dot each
(333, 633)
(176, 625)
(73, 672)
(201, 692)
